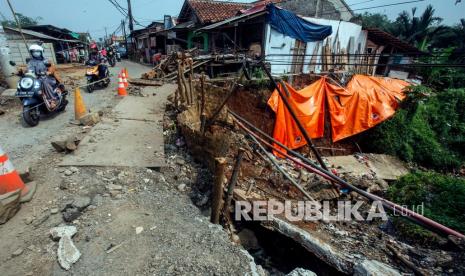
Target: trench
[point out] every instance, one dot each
(280, 255)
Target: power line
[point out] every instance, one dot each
(375, 7)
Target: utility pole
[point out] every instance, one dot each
(131, 20)
(106, 36)
(123, 27)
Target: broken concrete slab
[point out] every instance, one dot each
(141, 108)
(61, 231)
(67, 252)
(126, 143)
(384, 166)
(133, 139)
(374, 268)
(90, 119)
(348, 164)
(387, 167)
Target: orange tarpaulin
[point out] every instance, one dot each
(364, 103)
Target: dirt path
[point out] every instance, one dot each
(144, 217)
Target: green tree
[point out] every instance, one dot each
(418, 30)
(23, 20)
(374, 20)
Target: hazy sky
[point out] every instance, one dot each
(95, 15)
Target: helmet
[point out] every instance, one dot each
(36, 51)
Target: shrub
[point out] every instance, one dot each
(428, 129)
(443, 197)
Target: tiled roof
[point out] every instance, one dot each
(215, 11)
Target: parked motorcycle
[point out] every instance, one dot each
(31, 92)
(94, 78)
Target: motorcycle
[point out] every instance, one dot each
(111, 57)
(30, 91)
(94, 79)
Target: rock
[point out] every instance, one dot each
(114, 187)
(2, 112)
(139, 230)
(61, 231)
(97, 200)
(17, 252)
(71, 145)
(301, 272)
(180, 161)
(90, 119)
(74, 169)
(68, 172)
(67, 253)
(59, 146)
(81, 202)
(235, 239)
(374, 268)
(182, 187)
(28, 220)
(115, 193)
(71, 213)
(248, 239)
(54, 210)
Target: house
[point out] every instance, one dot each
(199, 13)
(254, 32)
(147, 41)
(347, 48)
(390, 54)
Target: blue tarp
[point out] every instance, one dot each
(290, 24)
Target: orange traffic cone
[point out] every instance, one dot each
(79, 107)
(10, 180)
(121, 88)
(127, 73)
(125, 80)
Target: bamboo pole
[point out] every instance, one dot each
(233, 180)
(217, 193)
(191, 87)
(180, 85)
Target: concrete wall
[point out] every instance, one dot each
(277, 43)
(329, 9)
(19, 51)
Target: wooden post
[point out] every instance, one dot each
(217, 193)
(180, 85)
(233, 180)
(191, 87)
(184, 82)
(203, 115)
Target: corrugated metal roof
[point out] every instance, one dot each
(39, 35)
(384, 38)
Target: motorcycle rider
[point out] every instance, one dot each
(96, 57)
(40, 67)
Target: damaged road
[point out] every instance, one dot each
(129, 220)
